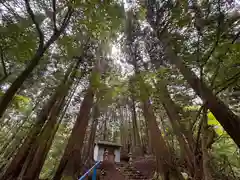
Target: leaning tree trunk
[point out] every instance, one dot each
(175, 120)
(70, 163)
(36, 160)
(229, 120)
(39, 150)
(15, 166)
(167, 168)
(36, 156)
(12, 90)
(42, 145)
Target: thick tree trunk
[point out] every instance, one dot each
(229, 120)
(70, 163)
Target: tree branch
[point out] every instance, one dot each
(205, 60)
(3, 63)
(228, 82)
(54, 15)
(66, 19)
(31, 14)
(215, 74)
(6, 74)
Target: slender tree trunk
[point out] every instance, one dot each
(21, 125)
(105, 132)
(122, 129)
(130, 132)
(205, 156)
(136, 138)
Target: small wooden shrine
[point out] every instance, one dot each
(109, 150)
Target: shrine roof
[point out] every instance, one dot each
(107, 143)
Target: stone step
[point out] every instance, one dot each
(131, 173)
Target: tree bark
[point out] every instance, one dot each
(105, 130)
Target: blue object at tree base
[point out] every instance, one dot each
(94, 168)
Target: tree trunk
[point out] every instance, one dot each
(229, 120)
(40, 148)
(122, 130)
(175, 120)
(70, 163)
(15, 165)
(136, 137)
(91, 140)
(205, 156)
(21, 125)
(167, 168)
(38, 153)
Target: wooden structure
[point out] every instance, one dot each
(107, 150)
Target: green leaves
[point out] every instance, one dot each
(19, 101)
(18, 40)
(95, 80)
